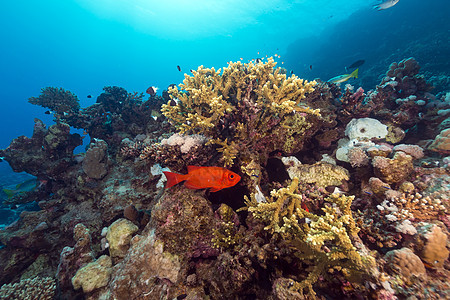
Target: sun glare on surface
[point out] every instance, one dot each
(194, 19)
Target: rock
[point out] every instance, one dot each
(94, 275)
(119, 236)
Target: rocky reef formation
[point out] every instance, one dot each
(344, 194)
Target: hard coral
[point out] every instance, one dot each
(30, 289)
(46, 154)
(432, 245)
(248, 110)
(57, 99)
(405, 262)
(393, 170)
(322, 174)
(441, 143)
(95, 163)
(326, 240)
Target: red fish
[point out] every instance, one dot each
(216, 178)
(303, 205)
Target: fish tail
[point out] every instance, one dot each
(355, 73)
(9, 193)
(173, 178)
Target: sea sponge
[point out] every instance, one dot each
(365, 129)
(431, 245)
(405, 262)
(441, 143)
(94, 275)
(119, 236)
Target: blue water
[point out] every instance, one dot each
(85, 45)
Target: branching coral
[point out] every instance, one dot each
(36, 288)
(325, 241)
(57, 99)
(248, 110)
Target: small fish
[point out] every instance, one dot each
(368, 193)
(152, 91)
(156, 114)
(385, 4)
(303, 205)
(216, 178)
(345, 77)
(47, 112)
(26, 186)
(356, 64)
(179, 68)
(292, 72)
(258, 60)
(89, 96)
(192, 71)
(310, 67)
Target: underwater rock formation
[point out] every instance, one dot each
(372, 225)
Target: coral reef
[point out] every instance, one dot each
(405, 262)
(441, 143)
(58, 100)
(432, 245)
(326, 240)
(95, 162)
(330, 205)
(248, 110)
(119, 235)
(28, 289)
(46, 154)
(94, 275)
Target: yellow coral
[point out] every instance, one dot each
(326, 240)
(243, 106)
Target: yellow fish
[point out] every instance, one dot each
(345, 77)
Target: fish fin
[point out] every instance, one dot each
(355, 73)
(191, 186)
(173, 178)
(214, 189)
(192, 168)
(9, 193)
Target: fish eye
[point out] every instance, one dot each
(231, 176)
